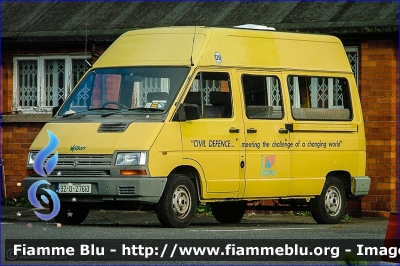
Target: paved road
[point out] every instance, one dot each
(134, 225)
(137, 224)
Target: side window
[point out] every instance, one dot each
(319, 98)
(263, 98)
(211, 91)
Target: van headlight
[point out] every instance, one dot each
(131, 158)
(31, 157)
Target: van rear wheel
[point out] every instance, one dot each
(228, 212)
(177, 206)
(329, 207)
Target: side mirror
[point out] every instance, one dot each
(191, 111)
(187, 112)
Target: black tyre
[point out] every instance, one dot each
(329, 207)
(228, 212)
(177, 206)
(71, 213)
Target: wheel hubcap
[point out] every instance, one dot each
(333, 202)
(181, 202)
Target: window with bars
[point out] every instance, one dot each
(319, 98)
(211, 92)
(352, 56)
(43, 82)
(262, 96)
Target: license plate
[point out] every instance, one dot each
(74, 188)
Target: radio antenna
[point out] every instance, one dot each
(86, 35)
(191, 53)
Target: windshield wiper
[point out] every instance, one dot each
(103, 108)
(112, 113)
(146, 109)
(70, 112)
(117, 110)
(133, 109)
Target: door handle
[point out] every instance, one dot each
(233, 130)
(251, 130)
(288, 128)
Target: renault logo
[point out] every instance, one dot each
(75, 163)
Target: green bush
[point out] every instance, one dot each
(204, 208)
(21, 201)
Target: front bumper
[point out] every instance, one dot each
(139, 189)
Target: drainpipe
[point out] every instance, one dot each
(3, 180)
(93, 51)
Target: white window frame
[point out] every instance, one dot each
(41, 85)
(296, 92)
(273, 89)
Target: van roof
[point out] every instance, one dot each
(238, 47)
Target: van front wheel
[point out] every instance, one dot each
(71, 213)
(177, 206)
(228, 212)
(329, 207)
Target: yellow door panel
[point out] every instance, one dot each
(267, 168)
(217, 150)
(324, 127)
(267, 159)
(214, 139)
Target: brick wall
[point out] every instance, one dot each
(7, 82)
(379, 99)
(17, 138)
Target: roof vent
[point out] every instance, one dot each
(254, 27)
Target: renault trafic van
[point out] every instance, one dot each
(178, 116)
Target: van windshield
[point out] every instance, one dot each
(128, 89)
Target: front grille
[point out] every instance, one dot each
(83, 173)
(84, 160)
(82, 165)
(127, 191)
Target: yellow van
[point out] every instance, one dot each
(178, 116)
